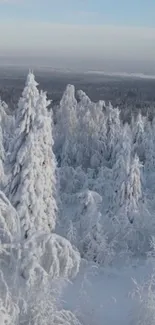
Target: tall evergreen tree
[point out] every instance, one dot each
(138, 137)
(121, 168)
(66, 125)
(113, 132)
(33, 163)
(149, 146)
(24, 116)
(46, 182)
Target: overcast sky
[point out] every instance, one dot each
(98, 34)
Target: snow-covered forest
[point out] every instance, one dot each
(77, 211)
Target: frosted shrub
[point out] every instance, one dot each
(45, 254)
(145, 307)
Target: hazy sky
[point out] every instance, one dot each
(117, 34)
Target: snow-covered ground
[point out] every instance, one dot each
(105, 295)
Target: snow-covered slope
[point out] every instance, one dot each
(107, 295)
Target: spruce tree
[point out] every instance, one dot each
(32, 183)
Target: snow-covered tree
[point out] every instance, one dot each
(72, 180)
(83, 104)
(32, 183)
(98, 154)
(113, 132)
(25, 114)
(126, 177)
(48, 254)
(7, 124)
(138, 137)
(96, 246)
(9, 221)
(149, 146)
(132, 190)
(134, 186)
(46, 179)
(91, 133)
(84, 227)
(85, 133)
(121, 168)
(66, 125)
(87, 220)
(20, 157)
(68, 105)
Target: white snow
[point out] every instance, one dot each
(105, 295)
(77, 221)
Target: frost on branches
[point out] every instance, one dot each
(46, 178)
(49, 255)
(20, 188)
(84, 228)
(31, 188)
(7, 124)
(24, 116)
(66, 126)
(9, 221)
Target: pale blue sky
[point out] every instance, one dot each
(119, 12)
(111, 31)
